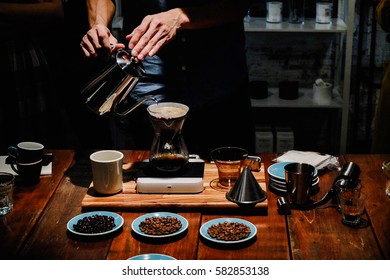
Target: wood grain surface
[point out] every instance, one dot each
(36, 228)
(210, 198)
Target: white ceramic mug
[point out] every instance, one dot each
(107, 171)
(322, 94)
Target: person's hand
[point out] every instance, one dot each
(99, 40)
(155, 31)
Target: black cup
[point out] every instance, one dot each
(29, 173)
(26, 152)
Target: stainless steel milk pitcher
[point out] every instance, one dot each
(111, 86)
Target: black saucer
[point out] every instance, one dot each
(363, 223)
(283, 192)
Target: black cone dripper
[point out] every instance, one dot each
(246, 191)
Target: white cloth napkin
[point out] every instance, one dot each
(4, 167)
(316, 159)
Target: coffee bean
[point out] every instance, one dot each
(229, 231)
(160, 225)
(94, 224)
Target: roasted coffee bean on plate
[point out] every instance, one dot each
(160, 225)
(229, 231)
(94, 224)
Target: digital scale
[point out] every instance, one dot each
(187, 180)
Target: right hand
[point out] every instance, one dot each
(99, 40)
(155, 31)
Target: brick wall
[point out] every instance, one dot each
(302, 57)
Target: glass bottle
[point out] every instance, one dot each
(296, 9)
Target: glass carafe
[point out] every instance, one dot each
(169, 152)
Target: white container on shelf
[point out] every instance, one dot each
(274, 11)
(264, 141)
(324, 11)
(322, 94)
(284, 139)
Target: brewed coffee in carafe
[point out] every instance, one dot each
(169, 152)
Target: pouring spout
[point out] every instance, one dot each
(139, 103)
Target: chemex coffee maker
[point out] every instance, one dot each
(168, 152)
(170, 168)
(298, 196)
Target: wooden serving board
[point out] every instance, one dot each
(211, 198)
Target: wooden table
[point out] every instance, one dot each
(36, 228)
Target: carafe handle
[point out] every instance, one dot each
(253, 162)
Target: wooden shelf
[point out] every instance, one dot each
(305, 100)
(210, 198)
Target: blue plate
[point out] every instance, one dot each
(135, 224)
(117, 219)
(276, 170)
(152, 257)
(205, 227)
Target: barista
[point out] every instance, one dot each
(193, 53)
(381, 133)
